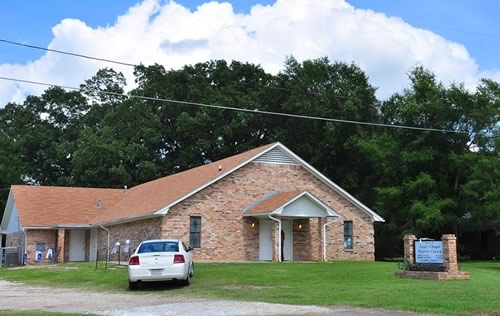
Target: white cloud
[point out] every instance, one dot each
(172, 35)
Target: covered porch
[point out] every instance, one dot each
(292, 226)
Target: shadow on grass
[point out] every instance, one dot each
(158, 286)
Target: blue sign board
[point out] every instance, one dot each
(428, 251)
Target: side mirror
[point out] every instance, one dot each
(190, 249)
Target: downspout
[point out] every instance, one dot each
(324, 236)
(279, 235)
(107, 248)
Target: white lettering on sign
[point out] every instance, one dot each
(429, 252)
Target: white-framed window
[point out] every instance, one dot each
(348, 235)
(195, 231)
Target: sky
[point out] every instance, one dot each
(459, 40)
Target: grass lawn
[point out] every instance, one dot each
(368, 284)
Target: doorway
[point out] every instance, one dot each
(77, 245)
(287, 228)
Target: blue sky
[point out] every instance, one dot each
(30, 21)
(459, 40)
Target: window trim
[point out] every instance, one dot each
(195, 232)
(348, 235)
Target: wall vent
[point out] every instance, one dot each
(277, 156)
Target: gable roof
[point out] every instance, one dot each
(50, 206)
(47, 206)
(158, 195)
(275, 204)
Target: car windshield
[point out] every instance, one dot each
(159, 246)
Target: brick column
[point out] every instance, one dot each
(276, 235)
(450, 252)
(408, 247)
(60, 245)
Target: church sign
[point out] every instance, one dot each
(428, 251)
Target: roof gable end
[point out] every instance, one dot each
(281, 153)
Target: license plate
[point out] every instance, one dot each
(156, 271)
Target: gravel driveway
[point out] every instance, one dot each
(18, 296)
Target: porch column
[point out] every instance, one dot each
(60, 245)
(276, 241)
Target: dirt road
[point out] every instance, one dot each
(18, 296)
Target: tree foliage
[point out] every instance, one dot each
(424, 182)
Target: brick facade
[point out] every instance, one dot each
(136, 232)
(47, 236)
(227, 236)
(15, 240)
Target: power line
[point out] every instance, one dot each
(135, 65)
(254, 111)
(66, 53)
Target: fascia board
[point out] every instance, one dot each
(328, 210)
(165, 209)
(128, 219)
(37, 227)
(277, 211)
(9, 208)
(334, 186)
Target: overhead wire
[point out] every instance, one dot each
(6, 41)
(254, 111)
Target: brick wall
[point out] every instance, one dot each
(134, 231)
(226, 236)
(15, 240)
(48, 236)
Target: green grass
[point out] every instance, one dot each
(367, 284)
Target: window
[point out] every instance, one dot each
(195, 232)
(348, 235)
(159, 246)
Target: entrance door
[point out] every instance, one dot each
(265, 240)
(77, 245)
(286, 227)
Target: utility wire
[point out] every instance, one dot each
(66, 53)
(254, 111)
(2, 40)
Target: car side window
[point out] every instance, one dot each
(185, 247)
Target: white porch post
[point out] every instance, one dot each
(279, 235)
(324, 236)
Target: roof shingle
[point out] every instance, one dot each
(47, 206)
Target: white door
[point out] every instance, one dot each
(265, 240)
(93, 244)
(286, 227)
(77, 245)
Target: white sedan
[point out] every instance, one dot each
(160, 260)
